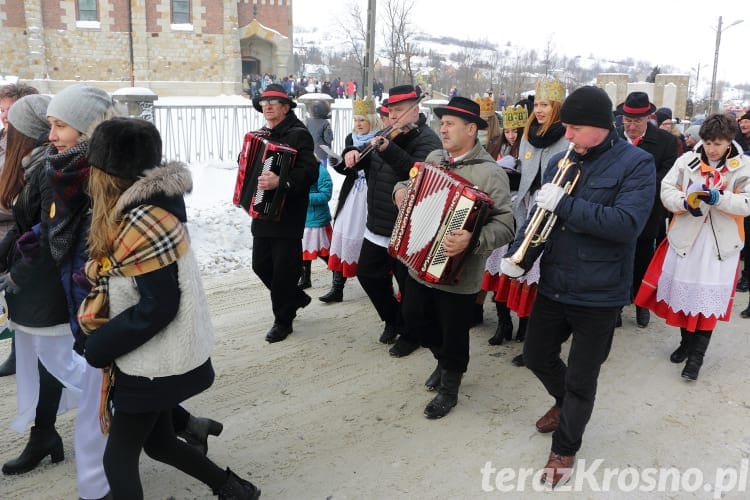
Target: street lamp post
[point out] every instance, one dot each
(712, 97)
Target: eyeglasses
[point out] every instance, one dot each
(268, 102)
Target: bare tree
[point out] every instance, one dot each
(355, 29)
(398, 38)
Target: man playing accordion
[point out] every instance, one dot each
(277, 244)
(440, 314)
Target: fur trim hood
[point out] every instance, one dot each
(159, 186)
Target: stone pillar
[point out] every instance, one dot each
(138, 101)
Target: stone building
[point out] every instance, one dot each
(173, 47)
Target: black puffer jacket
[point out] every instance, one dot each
(385, 169)
(41, 299)
(304, 174)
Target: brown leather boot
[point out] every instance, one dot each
(558, 470)
(549, 420)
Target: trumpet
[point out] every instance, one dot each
(542, 221)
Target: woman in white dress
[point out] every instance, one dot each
(692, 277)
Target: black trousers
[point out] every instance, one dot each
(153, 433)
(441, 321)
(644, 252)
(276, 261)
(573, 386)
(376, 269)
(50, 393)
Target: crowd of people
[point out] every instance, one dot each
(592, 207)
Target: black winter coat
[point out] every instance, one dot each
(385, 169)
(41, 299)
(663, 147)
(304, 174)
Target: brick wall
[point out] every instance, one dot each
(51, 49)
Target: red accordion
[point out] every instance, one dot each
(437, 202)
(260, 155)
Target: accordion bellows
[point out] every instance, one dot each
(437, 202)
(261, 155)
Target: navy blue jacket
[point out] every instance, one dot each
(588, 257)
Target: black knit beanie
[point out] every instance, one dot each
(125, 147)
(588, 105)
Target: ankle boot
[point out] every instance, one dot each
(42, 442)
(521, 332)
(304, 279)
(680, 354)
(237, 488)
(336, 293)
(196, 432)
(504, 329)
(695, 356)
(9, 366)
(447, 396)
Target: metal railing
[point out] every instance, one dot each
(199, 133)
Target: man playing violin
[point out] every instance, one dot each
(389, 162)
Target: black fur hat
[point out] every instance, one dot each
(125, 147)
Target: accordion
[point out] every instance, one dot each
(261, 155)
(437, 202)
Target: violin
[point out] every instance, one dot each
(390, 132)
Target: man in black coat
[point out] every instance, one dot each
(639, 131)
(277, 245)
(388, 164)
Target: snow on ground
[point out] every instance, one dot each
(220, 232)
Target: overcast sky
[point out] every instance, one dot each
(679, 34)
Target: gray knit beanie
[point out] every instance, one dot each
(81, 106)
(28, 115)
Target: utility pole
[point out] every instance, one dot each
(712, 97)
(370, 49)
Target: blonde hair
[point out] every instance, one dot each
(374, 119)
(105, 191)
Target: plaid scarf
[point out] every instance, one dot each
(149, 238)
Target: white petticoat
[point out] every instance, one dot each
(698, 283)
(349, 226)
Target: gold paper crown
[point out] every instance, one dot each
(486, 105)
(364, 107)
(515, 116)
(549, 89)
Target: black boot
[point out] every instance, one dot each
(304, 279)
(433, 381)
(9, 366)
(746, 312)
(504, 329)
(695, 356)
(447, 396)
(521, 332)
(196, 432)
(680, 354)
(42, 442)
(336, 293)
(237, 488)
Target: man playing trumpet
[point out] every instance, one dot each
(586, 267)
